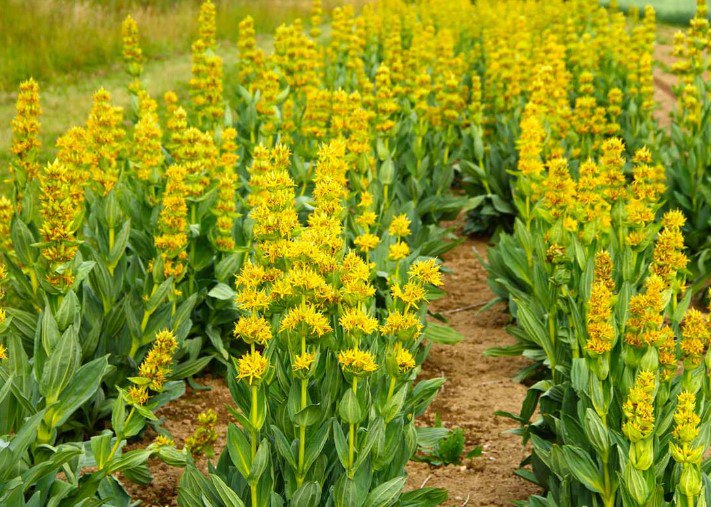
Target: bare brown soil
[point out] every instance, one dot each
(476, 387)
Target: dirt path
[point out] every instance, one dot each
(476, 387)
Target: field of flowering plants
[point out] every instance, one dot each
(398, 253)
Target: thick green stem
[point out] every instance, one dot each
(391, 389)
(302, 428)
(352, 436)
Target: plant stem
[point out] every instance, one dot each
(351, 436)
(253, 420)
(391, 389)
(302, 427)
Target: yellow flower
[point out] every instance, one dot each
(639, 408)
(426, 271)
(303, 361)
(398, 251)
(366, 219)
(3, 352)
(411, 293)
(305, 320)
(137, 395)
(252, 367)
(357, 362)
(132, 53)
(695, 336)
(403, 358)
(366, 242)
(400, 226)
(25, 130)
(253, 329)
(163, 441)
(203, 439)
(601, 336)
(404, 325)
(356, 322)
(157, 364)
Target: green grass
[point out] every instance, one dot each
(54, 40)
(677, 12)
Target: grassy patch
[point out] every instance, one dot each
(62, 39)
(677, 12)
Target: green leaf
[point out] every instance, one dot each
(227, 495)
(308, 495)
(349, 409)
(61, 366)
(583, 467)
(283, 447)
(315, 445)
(445, 335)
(222, 291)
(386, 494)
(159, 295)
(260, 462)
(424, 497)
(239, 450)
(80, 389)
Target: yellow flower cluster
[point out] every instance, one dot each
(172, 224)
(61, 209)
(203, 439)
(105, 140)
(154, 369)
(638, 409)
(25, 131)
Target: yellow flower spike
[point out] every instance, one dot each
(426, 271)
(172, 238)
(252, 367)
(132, 52)
(207, 24)
(695, 336)
(25, 131)
(357, 362)
(203, 439)
(225, 207)
(147, 148)
(157, 364)
(638, 426)
(601, 335)
(253, 329)
(105, 140)
(668, 256)
(61, 211)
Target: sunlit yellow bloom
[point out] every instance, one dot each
(252, 367)
(357, 362)
(305, 320)
(3, 352)
(403, 358)
(366, 242)
(357, 322)
(639, 408)
(137, 395)
(695, 337)
(400, 226)
(426, 271)
(398, 251)
(303, 361)
(253, 329)
(404, 325)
